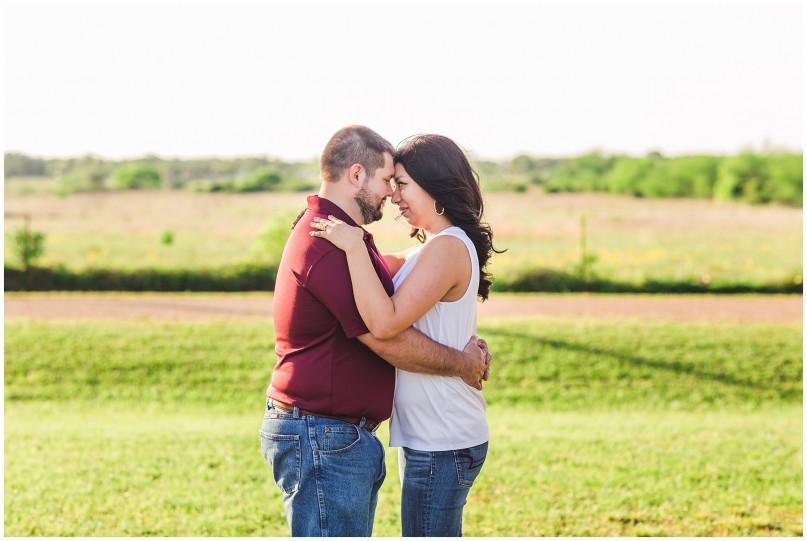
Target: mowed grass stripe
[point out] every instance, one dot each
(556, 365)
(88, 469)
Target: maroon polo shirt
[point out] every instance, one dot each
(321, 366)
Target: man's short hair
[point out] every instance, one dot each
(353, 144)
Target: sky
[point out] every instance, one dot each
(279, 78)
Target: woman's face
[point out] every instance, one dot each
(413, 202)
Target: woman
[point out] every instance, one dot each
(438, 422)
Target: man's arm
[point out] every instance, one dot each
(413, 351)
(395, 261)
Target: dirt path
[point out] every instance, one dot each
(771, 309)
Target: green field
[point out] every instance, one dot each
(598, 428)
(633, 240)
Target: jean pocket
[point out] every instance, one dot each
(469, 463)
(283, 454)
(339, 439)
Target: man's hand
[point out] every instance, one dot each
(478, 362)
(483, 345)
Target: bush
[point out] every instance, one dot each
(740, 177)
(554, 281)
(167, 237)
(85, 178)
(28, 246)
(627, 176)
(243, 277)
(269, 243)
(261, 277)
(786, 179)
(263, 180)
(136, 177)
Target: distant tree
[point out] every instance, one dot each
(87, 176)
(627, 175)
(786, 184)
(584, 173)
(741, 177)
(262, 180)
(16, 164)
(136, 177)
(522, 164)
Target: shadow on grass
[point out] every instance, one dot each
(674, 367)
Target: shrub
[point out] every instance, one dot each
(84, 178)
(786, 179)
(28, 246)
(269, 243)
(136, 177)
(263, 180)
(627, 176)
(167, 237)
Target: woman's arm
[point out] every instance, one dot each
(438, 269)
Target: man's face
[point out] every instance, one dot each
(375, 190)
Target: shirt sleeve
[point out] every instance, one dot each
(329, 281)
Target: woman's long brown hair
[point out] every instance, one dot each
(440, 167)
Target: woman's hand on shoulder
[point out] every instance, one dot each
(343, 236)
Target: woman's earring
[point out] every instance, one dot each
(443, 211)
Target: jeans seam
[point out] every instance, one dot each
(382, 470)
(460, 479)
(429, 496)
(323, 525)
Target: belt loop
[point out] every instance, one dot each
(296, 412)
(361, 423)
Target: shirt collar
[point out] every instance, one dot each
(320, 205)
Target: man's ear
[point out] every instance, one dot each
(356, 174)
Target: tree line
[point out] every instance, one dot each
(754, 177)
(91, 173)
(750, 177)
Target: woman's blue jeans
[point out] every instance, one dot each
(329, 472)
(435, 489)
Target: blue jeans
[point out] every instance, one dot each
(329, 472)
(435, 489)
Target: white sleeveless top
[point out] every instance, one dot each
(440, 413)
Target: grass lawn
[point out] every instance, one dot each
(597, 428)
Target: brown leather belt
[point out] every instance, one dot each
(369, 424)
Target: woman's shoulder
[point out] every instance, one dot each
(458, 233)
(452, 231)
(447, 245)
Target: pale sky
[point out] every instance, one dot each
(279, 78)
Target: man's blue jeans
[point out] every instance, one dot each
(329, 472)
(435, 489)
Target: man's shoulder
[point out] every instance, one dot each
(308, 256)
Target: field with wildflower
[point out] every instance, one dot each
(625, 239)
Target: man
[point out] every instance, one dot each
(331, 386)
